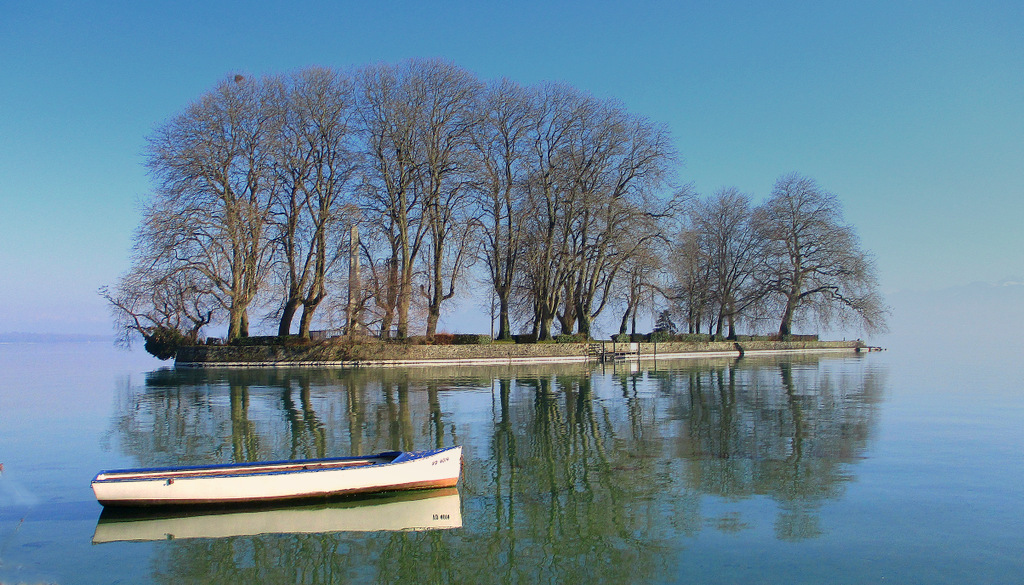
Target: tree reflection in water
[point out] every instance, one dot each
(572, 472)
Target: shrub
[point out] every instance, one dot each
(163, 342)
(572, 338)
(443, 339)
(470, 339)
(662, 336)
(695, 337)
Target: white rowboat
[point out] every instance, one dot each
(278, 481)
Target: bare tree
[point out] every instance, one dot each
(168, 307)
(813, 263)
(499, 142)
(690, 276)
(315, 162)
(213, 166)
(639, 273)
(167, 314)
(732, 247)
(617, 166)
(444, 130)
(390, 107)
(551, 207)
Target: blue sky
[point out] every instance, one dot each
(911, 112)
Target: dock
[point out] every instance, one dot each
(608, 352)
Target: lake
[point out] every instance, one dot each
(887, 467)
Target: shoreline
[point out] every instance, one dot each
(381, 355)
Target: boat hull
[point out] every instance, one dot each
(277, 482)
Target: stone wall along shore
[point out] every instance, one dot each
(374, 353)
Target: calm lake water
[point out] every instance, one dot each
(879, 468)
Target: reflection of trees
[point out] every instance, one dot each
(786, 430)
(197, 416)
(568, 491)
(293, 558)
(573, 474)
(307, 433)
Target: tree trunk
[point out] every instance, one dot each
(433, 314)
(786, 327)
(567, 318)
(404, 302)
(308, 309)
(544, 332)
(436, 289)
(504, 325)
(234, 325)
(391, 300)
(583, 321)
(238, 322)
(287, 314)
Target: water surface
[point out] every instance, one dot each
(782, 470)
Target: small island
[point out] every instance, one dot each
(379, 201)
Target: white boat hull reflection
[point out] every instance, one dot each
(424, 510)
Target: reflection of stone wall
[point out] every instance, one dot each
(375, 353)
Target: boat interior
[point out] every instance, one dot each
(256, 468)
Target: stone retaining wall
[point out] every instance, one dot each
(395, 354)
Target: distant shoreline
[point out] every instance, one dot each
(20, 337)
(338, 355)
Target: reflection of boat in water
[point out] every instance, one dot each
(421, 510)
(277, 481)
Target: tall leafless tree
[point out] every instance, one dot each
(167, 308)
(551, 208)
(618, 166)
(813, 264)
(499, 144)
(390, 107)
(639, 275)
(444, 132)
(690, 278)
(732, 247)
(213, 169)
(315, 162)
